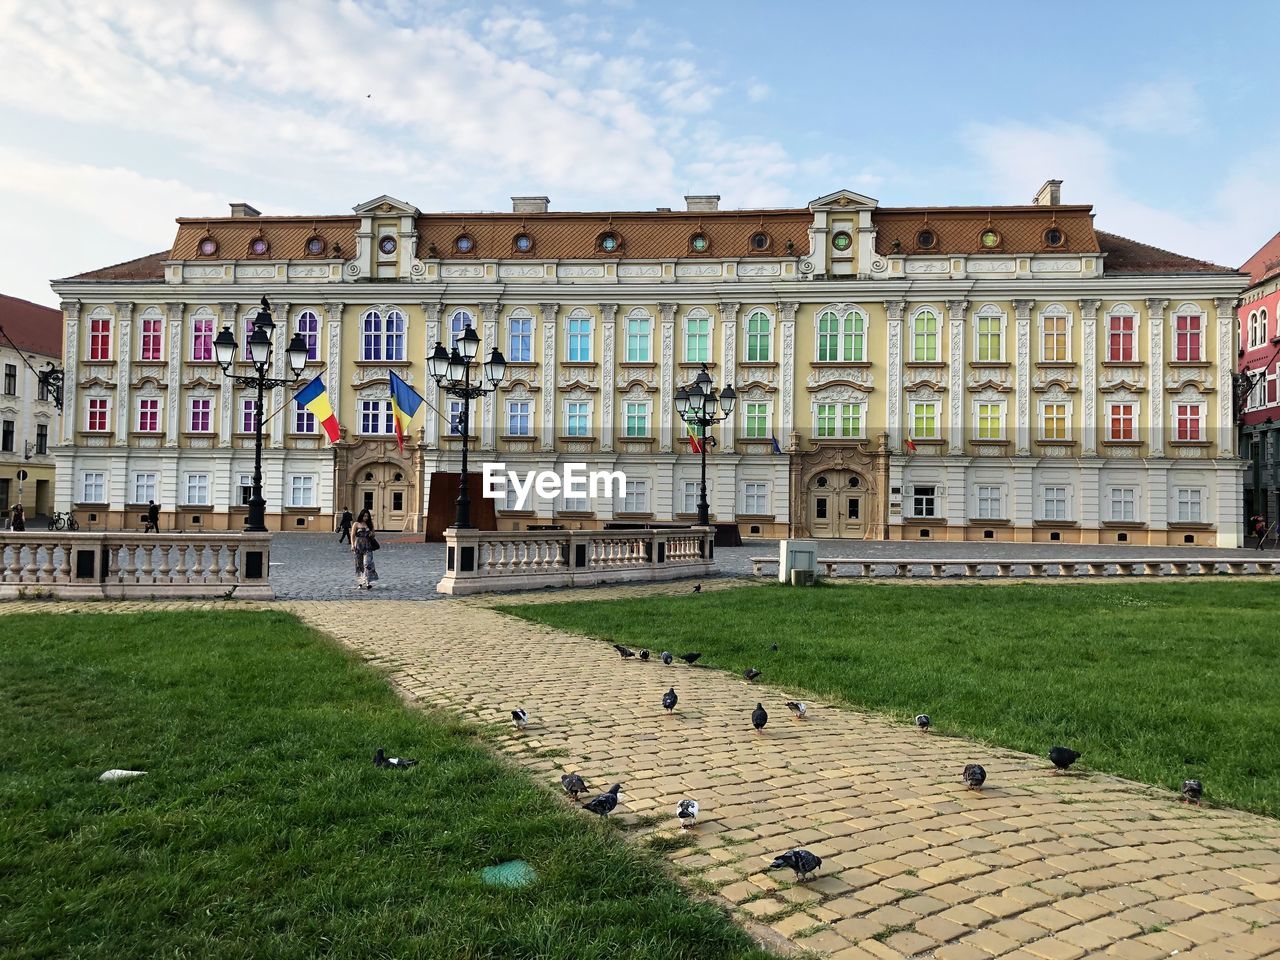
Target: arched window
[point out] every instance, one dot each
(520, 336)
(1122, 334)
(371, 327)
(759, 337)
(382, 329)
(458, 322)
(988, 334)
(202, 324)
(308, 324)
(639, 336)
(842, 335)
(578, 336)
(697, 336)
(1055, 334)
(151, 334)
(924, 336)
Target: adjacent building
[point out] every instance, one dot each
(1260, 363)
(1006, 373)
(29, 419)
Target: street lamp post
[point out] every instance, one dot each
(700, 406)
(259, 348)
(452, 373)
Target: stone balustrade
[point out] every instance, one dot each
(859, 567)
(132, 565)
(485, 561)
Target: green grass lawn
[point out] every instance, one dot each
(262, 828)
(1153, 681)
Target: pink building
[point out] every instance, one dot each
(1260, 394)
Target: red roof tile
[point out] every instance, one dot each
(1265, 263)
(1130, 256)
(31, 326)
(150, 267)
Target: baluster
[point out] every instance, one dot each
(64, 568)
(46, 570)
(29, 568)
(215, 562)
(162, 575)
(180, 574)
(231, 572)
(145, 575)
(15, 562)
(197, 566)
(130, 572)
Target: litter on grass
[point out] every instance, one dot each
(513, 873)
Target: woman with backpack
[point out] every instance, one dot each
(363, 544)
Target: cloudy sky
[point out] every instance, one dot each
(117, 117)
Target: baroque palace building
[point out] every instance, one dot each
(955, 373)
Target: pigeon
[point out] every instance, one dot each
(974, 776)
(759, 717)
(625, 652)
(750, 674)
(604, 803)
(573, 785)
(1192, 790)
(697, 588)
(644, 655)
(802, 862)
(797, 708)
(669, 700)
(774, 648)
(380, 759)
(667, 658)
(923, 721)
(687, 813)
(1062, 757)
(690, 658)
(520, 718)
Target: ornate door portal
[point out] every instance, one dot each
(835, 505)
(386, 490)
(839, 490)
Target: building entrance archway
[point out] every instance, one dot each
(836, 505)
(385, 489)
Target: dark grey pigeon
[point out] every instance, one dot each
(380, 759)
(697, 588)
(923, 721)
(802, 862)
(604, 803)
(690, 658)
(759, 717)
(974, 776)
(573, 785)
(1063, 758)
(669, 700)
(750, 674)
(798, 708)
(644, 655)
(1192, 791)
(625, 652)
(667, 658)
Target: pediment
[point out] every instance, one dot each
(386, 205)
(843, 200)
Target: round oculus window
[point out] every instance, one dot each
(926, 239)
(842, 241)
(700, 243)
(759, 241)
(524, 242)
(387, 244)
(315, 246)
(464, 244)
(208, 246)
(1053, 237)
(258, 246)
(990, 238)
(609, 242)
(822, 481)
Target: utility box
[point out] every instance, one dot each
(797, 555)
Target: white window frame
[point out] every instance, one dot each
(1109, 422)
(916, 315)
(639, 338)
(1003, 407)
(307, 488)
(457, 324)
(1126, 499)
(755, 498)
(105, 403)
(93, 486)
(310, 337)
(924, 505)
(510, 413)
(1056, 311)
(242, 408)
(196, 482)
(1189, 310)
(767, 336)
(1124, 310)
(145, 485)
(644, 410)
(1061, 513)
(989, 501)
(202, 316)
(156, 316)
(843, 314)
(1185, 498)
(304, 421)
(156, 408)
(747, 415)
(989, 311)
(571, 413)
(380, 411)
(689, 497)
(100, 315)
(699, 314)
(1176, 419)
(191, 414)
(916, 405)
(842, 416)
(520, 342)
(578, 317)
(635, 498)
(1068, 414)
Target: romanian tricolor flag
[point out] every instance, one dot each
(315, 397)
(405, 402)
(695, 442)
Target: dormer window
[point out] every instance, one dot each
(465, 243)
(990, 239)
(760, 241)
(258, 247)
(315, 246)
(609, 242)
(523, 243)
(1053, 237)
(387, 245)
(208, 247)
(842, 240)
(926, 240)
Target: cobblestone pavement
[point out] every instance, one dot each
(309, 566)
(1036, 866)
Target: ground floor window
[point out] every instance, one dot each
(991, 502)
(93, 487)
(1054, 500)
(246, 488)
(144, 487)
(1124, 504)
(691, 496)
(197, 493)
(924, 501)
(636, 497)
(302, 490)
(1190, 505)
(755, 498)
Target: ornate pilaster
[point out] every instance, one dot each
(1226, 439)
(956, 311)
(431, 309)
(1155, 313)
(280, 311)
(226, 396)
(71, 369)
(173, 423)
(124, 354)
(787, 357)
(489, 337)
(1022, 376)
(333, 375)
(608, 373)
(1089, 376)
(729, 351)
(549, 398)
(666, 361)
(894, 311)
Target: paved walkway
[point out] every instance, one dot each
(1035, 866)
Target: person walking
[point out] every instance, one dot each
(153, 518)
(18, 521)
(363, 544)
(344, 526)
(1259, 529)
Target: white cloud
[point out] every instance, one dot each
(1171, 106)
(757, 91)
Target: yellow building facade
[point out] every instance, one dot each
(1005, 373)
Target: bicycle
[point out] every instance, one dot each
(63, 521)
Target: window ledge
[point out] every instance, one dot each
(755, 518)
(1123, 363)
(926, 441)
(620, 515)
(1121, 443)
(523, 364)
(310, 510)
(1000, 364)
(772, 364)
(979, 441)
(1044, 442)
(925, 521)
(934, 364)
(591, 439)
(383, 363)
(518, 437)
(575, 515)
(1123, 524)
(517, 513)
(989, 521)
(450, 437)
(697, 364)
(625, 439)
(1190, 363)
(1190, 525)
(1057, 523)
(91, 505)
(637, 364)
(1190, 443)
(1055, 364)
(588, 364)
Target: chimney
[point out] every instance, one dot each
(240, 210)
(1050, 195)
(702, 203)
(529, 204)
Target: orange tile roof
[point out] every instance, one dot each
(150, 267)
(32, 327)
(286, 237)
(1130, 256)
(1265, 263)
(958, 230)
